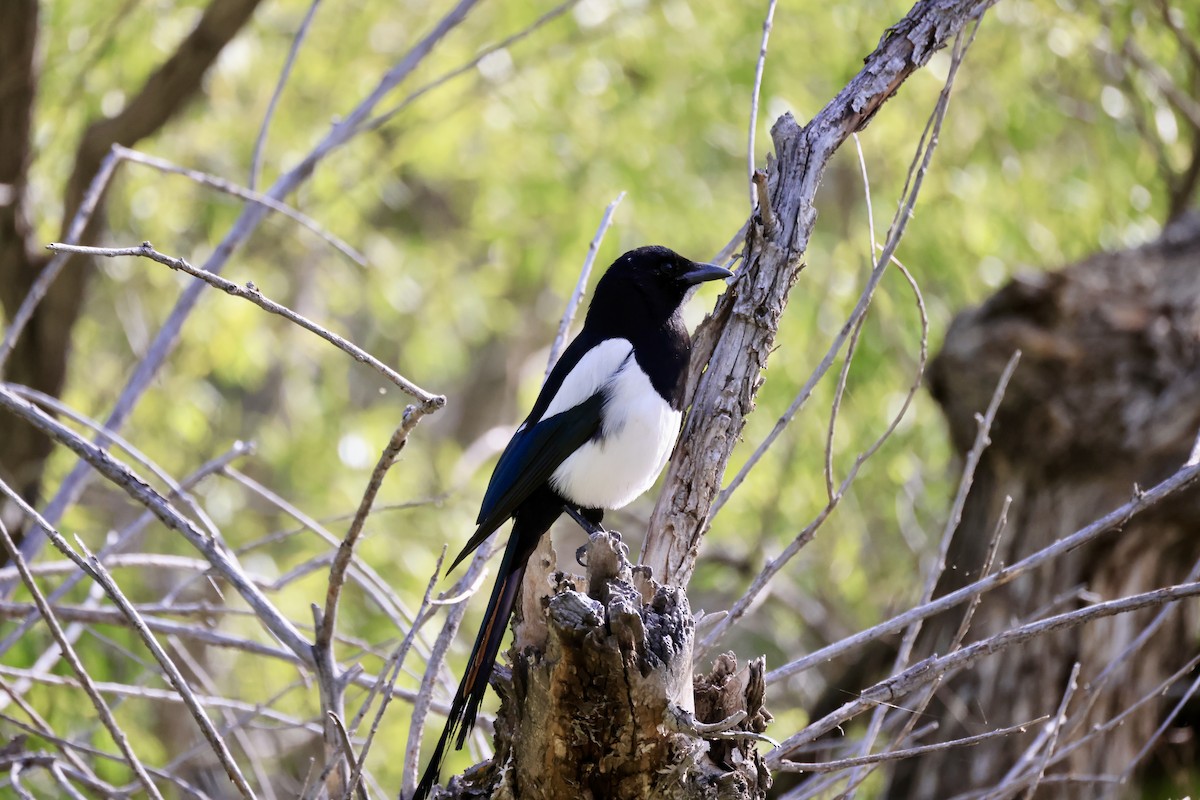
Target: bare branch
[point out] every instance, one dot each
(564, 324)
(896, 755)
(345, 551)
(508, 41)
(329, 677)
(747, 316)
(1055, 728)
(806, 534)
(163, 696)
(285, 73)
(79, 223)
(470, 576)
(429, 402)
(757, 190)
(212, 549)
(982, 440)
(174, 676)
(164, 342)
(85, 680)
(390, 672)
(1117, 518)
(895, 687)
(1166, 723)
(230, 188)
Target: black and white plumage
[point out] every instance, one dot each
(598, 436)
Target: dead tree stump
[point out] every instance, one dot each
(600, 703)
(1106, 398)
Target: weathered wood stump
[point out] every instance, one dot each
(600, 703)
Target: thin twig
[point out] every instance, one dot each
(345, 552)
(814, 767)
(759, 66)
(37, 292)
(434, 665)
(806, 534)
(852, 346)
(974, 455)
(835, 406)
(564, 325)
(1055, 727)
(230, 188)
(383, 118)
(284, 74)
(85, 680)
(1116, 518)
(1166, 723)
(965, 624)
(174, 676)
(212, 549)
(897, 686)
(330, 680)
(390, 673)
(429, 402)
(163, 696)
(205, 635)
(348, 749)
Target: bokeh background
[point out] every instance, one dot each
(474, 206)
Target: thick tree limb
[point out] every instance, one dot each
(741, 331)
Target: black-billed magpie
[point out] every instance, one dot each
(599, 434)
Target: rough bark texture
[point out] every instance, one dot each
(1106, 396)
(604, 709)
(735, 342)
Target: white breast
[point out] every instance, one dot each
(638, 433)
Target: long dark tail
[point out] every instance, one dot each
(469, 696)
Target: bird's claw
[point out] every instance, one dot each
(582, 552)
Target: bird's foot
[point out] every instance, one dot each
(582, 552)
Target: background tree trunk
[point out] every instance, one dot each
(1106, 397)
(40, 355)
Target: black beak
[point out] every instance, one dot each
(699, 273)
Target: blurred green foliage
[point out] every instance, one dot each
(474, 206)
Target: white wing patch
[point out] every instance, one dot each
(638, 432)
(597, 367)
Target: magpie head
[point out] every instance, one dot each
(659, 276)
